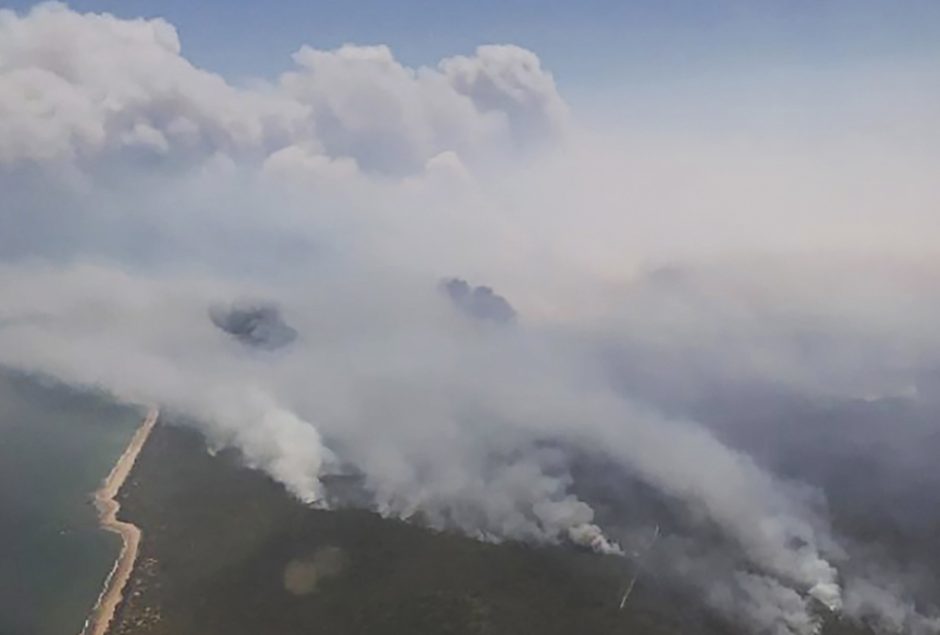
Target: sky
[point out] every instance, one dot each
(665, 221)
(593, 47)
(706, 68)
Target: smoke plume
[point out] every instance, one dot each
(737, 359)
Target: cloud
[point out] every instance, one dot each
(304, 166)
(509, 79)
(78, 87)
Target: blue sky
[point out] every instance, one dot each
(590, 45)
(682, 66)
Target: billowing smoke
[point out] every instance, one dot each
(738, 374)
(479, 302)
(254, 324)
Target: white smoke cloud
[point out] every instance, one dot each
(345, 190)
(767, 606)
(439, 418)
(75, 87)
(882, 604)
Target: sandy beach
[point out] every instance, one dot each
(107, 505)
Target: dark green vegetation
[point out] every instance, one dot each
(223, 543)
(56, 445)
(226, 551)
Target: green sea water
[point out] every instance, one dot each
(56, 447)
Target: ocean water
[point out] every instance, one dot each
(56, 446)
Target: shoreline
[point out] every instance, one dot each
(105, 499)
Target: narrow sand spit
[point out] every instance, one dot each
(107, 506)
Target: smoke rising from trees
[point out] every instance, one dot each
(731, 360)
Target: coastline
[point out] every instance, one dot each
(106, 503)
